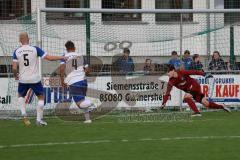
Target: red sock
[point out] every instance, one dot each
(215, 106)
(191, 104)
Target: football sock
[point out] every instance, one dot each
(87, 116)
(22, 103)
(214, 105)
(192, 105)
(40, 110)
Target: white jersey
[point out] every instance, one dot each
(74, 70)
(27, 58)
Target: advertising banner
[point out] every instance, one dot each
(131, 91)
(225, 89)
(5, 98)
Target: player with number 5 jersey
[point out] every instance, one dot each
(26, 57)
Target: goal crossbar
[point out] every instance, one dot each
(149, 11)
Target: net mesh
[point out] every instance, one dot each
(148, 36)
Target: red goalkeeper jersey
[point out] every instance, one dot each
(183, 81)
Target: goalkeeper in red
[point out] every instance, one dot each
(181, 79)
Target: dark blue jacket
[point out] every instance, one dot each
(125, 65)
(175, 62)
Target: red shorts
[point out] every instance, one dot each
(195, 91)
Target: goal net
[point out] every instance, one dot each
(134, 87)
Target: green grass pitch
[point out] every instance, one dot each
(215, 136)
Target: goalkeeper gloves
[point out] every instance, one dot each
(165, 99)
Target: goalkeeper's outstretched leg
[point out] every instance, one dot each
(199, 97)
(213, 105)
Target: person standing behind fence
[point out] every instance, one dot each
(175, 60)
(125, 63)
(148, 67)
(187, 60)
(196, 63)
(217, 63)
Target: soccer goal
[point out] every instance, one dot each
(133, 90)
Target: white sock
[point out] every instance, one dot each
(40, 110)
(84, 105)
(22, 104)
(87, 116)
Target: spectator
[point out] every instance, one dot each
(187, 60)
(196, 63)
(217, 62)
(148, 67)
(125, 63)
(175, 60)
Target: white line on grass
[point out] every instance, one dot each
(55, 143)
(123, 140)
(198, 119)
(190, 138)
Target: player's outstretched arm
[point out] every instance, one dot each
(54, 58)
(192, 72)
(166, 95)
(45, 56)
(196, 72)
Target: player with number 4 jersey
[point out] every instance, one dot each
(72, 74)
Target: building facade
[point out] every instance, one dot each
(152, 35)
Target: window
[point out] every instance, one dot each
(121, 4)
(173, 4)
(12, 9)
(5, 70)
(63, 17)
(231, 17)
